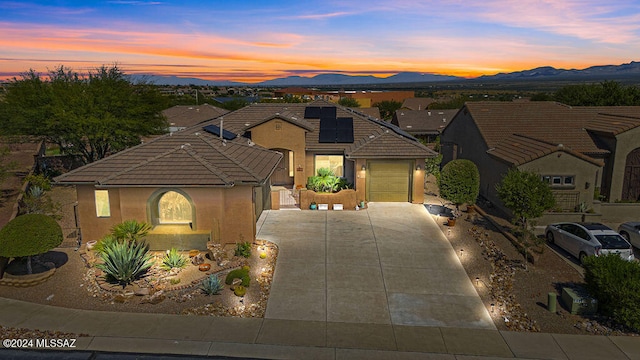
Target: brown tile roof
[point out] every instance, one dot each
(519, 149)
(417, 103)
(286, 116)
(386, 144)
(420, 122)
(194, 159)
(373, 112)
(363, 126)
(549, 123)
(189, 115)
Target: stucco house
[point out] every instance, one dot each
(212, 181)
(580, 151)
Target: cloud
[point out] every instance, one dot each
(137, 3)
(323, 16)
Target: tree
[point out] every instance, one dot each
(348, 102)
(235, 104)
(29, 235)
(459, 182)
(388, 108)
(92, 116)
(525, 194)
(608, 93)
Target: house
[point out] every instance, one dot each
(369, 98)
(181, 117)
(211, 181)
(423, 124)
(417, 103)
(582, 152)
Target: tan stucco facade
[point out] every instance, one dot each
(560, 163)
(224, 212)
(626, 142)
(280, 134)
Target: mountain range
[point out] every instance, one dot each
(604, 72)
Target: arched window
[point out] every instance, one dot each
(631, 180)
(174, 208)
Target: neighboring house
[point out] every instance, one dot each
(417, 103)
(298, 92)
(423, 124)
(195, 185)
(373, 112)
(180, 117)
(579, 150)
(369, 98)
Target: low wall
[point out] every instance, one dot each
(345, 197)
(620, 212)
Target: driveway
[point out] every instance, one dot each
(388, 264)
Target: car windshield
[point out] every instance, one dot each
(612, 241)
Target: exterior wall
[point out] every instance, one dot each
(228, 213)
(625, 143)
(461, 139)
(561, 163)
(290, 137)
(417, 193)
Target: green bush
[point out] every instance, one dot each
(29, 234)
(104, 243)
(238, 274)
(243, 249)
(211, 285)
(125, 261)
(173, 259)
(459, 182)
(240, 290)
(616, 284)
(131, 230)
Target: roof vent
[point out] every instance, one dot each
(246, 124)
(197, 134)
(560, 145)
(184, 145)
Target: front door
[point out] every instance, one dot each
(282, 174)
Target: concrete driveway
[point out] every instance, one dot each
(388, 264)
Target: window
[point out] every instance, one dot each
(291, 167)
(174, 208)
(278, 125)
(102, 203)
(560, 181)
(332, 162)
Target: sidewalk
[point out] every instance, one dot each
(291, 339)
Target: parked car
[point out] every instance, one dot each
(631, 232)
(586, 239)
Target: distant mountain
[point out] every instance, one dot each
(605, 72)
(548, 72)
(174, 80)
(341, 79)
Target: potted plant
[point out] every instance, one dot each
(313, 205)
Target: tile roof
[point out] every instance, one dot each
(423, 121)
(195, 159)
(532, 124)
(417, 103)
(519, 149)
(363, 126)
(189, 115)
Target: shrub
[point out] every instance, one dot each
(240, 290)
(125, 261)
(29, 234)
(173, 259)
(104, 243)
(131, 230)
(211, 285)
(238, 274)
(459, 182)
(327, 181)
(616, 284)
(243, 249)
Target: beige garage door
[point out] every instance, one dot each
(388, 181)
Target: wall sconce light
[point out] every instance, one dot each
(418, 168)
(364, 167)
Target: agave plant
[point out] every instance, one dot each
(173, 259)
(131, 230)
(125, 261)
(103, 243)
(211, 285)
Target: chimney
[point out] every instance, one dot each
(221, 122)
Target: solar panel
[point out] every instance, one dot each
(312, 112)
(344, 130)
(327, 130)
(215, 130)
(328, 112)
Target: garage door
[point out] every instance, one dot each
(388, 181)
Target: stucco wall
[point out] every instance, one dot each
(228, 213)
(290, 137)
(625, 143)
(565, 164)
(345, 197)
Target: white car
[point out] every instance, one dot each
(587, 239)
(631, 232)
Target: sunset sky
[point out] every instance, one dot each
(251, 41)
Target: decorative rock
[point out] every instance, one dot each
(198, 259)
(193, 253)
(142, 291)
(204, 267)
